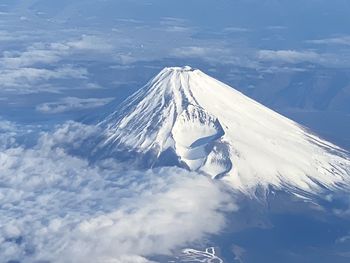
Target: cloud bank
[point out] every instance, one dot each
(56, 207)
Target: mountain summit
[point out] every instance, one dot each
(186, 118)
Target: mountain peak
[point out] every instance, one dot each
(174, 77)
(180, 69)
(186, 118)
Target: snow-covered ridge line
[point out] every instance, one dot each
(186, 118)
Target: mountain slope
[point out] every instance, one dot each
(184, 117)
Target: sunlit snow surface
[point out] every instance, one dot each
(184, 117)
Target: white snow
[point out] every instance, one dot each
(214, 129)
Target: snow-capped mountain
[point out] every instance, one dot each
(186, 118)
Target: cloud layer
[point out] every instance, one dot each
(59, 208)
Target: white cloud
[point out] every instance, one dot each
(343, 239)
(31, 56)
(8, 133)
(7, 126)
(173, 21)
(216, 55)
(207, 53)
(13, 135)
(276, 28)
(162, 212)
(92, 43)
(59, 208)
(6, 36)
(41, 53)
(343, 40)
(72, 103)
(175, 29)
(281, 69)
(192, 51)
(29, 71)
(175, 25)
(237, 29)
(289, 56)
(26, 80)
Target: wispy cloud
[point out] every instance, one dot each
(71, 104)
(216, 55)
(27, 80)
(237, 29)
(289, 56)
(6, 36)
(343, 40)
(30, 70)
(45, 53)
(92, 43)
(38, 53)
(192, 51)
(173, 21)
(175, 25)
(179, 29)
(276, 27)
